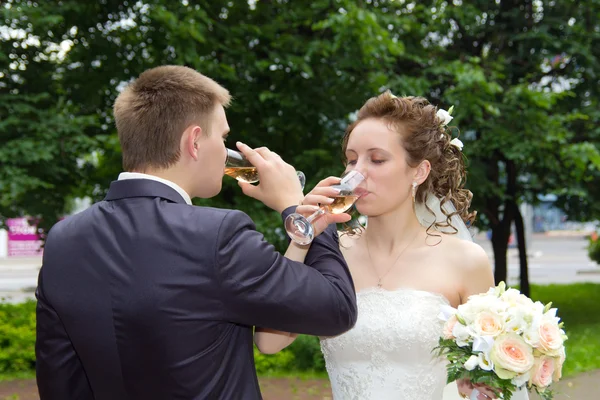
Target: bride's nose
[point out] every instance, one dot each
(363, 171)
(360, 166)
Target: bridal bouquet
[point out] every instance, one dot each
(504, 340)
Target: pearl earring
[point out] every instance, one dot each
(414, 191)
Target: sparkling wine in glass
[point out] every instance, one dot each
(237, 166)
(300, 229)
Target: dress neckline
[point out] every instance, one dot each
(375, 289)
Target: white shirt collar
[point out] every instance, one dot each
(173, 185)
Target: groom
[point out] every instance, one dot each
(144, 296)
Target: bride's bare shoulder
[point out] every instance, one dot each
(464, 253)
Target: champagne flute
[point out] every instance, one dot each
(237, 166)
(300, 229)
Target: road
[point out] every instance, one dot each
(552, 259)
(18, 278)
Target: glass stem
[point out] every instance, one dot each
(316, 214)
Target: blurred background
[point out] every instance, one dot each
(523, 77)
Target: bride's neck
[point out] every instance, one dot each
(389, 231)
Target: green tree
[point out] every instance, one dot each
(296, 72)
(521, 74)
(514, 70)
(43, 134)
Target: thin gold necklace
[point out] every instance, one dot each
(379, 284)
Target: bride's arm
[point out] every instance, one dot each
(270, 341)
(477, 278)
(477, 273)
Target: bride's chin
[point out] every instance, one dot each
(366, 211)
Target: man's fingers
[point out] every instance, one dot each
(252, 155)
(306, 209)
(264, 152)
(331, 180)
(249, 189)
(486, 391)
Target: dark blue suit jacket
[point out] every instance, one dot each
(143, 297)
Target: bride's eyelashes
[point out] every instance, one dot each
(374, 161)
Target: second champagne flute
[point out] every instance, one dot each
(237, 166)
(300, 229)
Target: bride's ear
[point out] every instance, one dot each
(422, 171)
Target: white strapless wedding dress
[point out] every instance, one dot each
(388, 354)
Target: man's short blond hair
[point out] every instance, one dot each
(152, 112)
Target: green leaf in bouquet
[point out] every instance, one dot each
(546, 394)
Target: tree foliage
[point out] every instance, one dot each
(522, 75)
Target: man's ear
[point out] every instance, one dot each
(422, 172)
(191, 141)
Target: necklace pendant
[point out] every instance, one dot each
(379, 284)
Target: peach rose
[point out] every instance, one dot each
(558, 364)
(488, 324)
(511, 356)
(550, 338)
(448, 326)
(542, 372)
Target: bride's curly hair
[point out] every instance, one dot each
(424, 138)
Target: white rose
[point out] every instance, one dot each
(514, 297)
(466, 313)
(481, 303)
(488, 324)
(532, 335)
(444, 116)
(511, 356)
(551, 337)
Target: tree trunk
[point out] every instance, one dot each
(523, 268)
(501, 230)
(500, 234)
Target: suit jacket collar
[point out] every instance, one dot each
(129, 188)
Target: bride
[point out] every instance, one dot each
(407, 262)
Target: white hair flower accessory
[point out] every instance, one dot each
(445, 116)
(457, 143)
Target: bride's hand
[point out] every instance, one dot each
(466, 388)
(322, 195)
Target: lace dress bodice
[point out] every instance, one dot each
(388, 354)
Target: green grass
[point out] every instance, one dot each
(17, 375)
(578, 306)
(302, 375)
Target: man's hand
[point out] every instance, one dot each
(466, 388)
(322, 195)
(279, 186)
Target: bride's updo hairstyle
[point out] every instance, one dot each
(423, 137)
